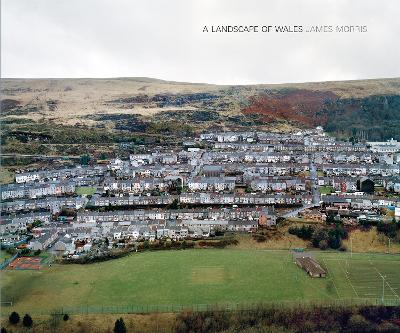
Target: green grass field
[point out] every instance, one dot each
(200, 277)
(325, 189)
(4, 255)
(82, 190)
(364, 276)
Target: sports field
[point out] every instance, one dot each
(24, 263)
(200, 277)
(365, 276)
(82, 190)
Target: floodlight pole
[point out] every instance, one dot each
(383, 287)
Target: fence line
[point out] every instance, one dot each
(6, 262)
(176, 308)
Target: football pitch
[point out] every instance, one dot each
(190, 277)
(365, 276)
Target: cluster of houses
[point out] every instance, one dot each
(61, 174)
(136, 225)
(201, 198)
(53, 204)
(201, 214)
(19, 223)
(37, 190)
(229, 181)
(360, 169)
(135, 185)
(361, 202)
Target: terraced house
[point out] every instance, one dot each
(236, 181)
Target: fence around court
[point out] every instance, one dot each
(8, 261)
(176, 308)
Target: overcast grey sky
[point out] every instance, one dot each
(164, 39)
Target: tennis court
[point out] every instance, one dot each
(23, 263)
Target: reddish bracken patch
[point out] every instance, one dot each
(303, 106)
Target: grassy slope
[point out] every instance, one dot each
(4, 255)
(184, 277)
(6, 176)
(135, 323)
(77, 98)
(370, 241)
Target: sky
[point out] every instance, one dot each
(164, 39)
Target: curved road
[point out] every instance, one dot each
(315, 193)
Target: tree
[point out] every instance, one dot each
(14, 318)
(27, 321)
(318, 236)
(334, 241)
(174, 204)
(36, 223)
(66, 317)
(335, 236)
(330, 219)
(3, 330)
(389, 229)
(11, 250)
(177, 186)
(119, 326)
(85, 159)
(323, 244)
(304, 232)
(358, 323)
(25, 251)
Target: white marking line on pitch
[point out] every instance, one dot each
(348, 279)
(333, 279)
(387, 283)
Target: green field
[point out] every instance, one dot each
(4, 255)
(366, 276)
(200, 277)
(82, 190)
(325, 189)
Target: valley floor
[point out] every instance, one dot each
(165, 280)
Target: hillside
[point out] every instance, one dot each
(143, 105)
